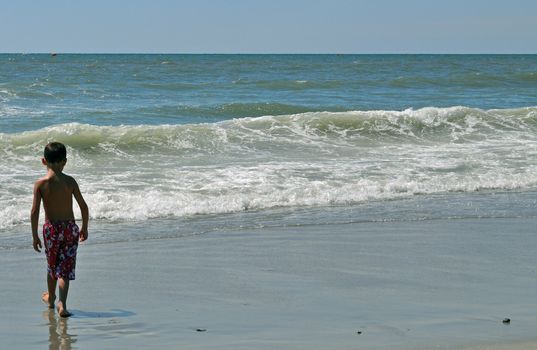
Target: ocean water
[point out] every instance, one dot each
(165, 145)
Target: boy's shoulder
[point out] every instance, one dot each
(68, 177)
(42, 180)
(63, 177)
(71, 182)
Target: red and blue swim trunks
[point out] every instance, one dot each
(61, 242)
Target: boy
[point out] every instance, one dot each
(60, 232)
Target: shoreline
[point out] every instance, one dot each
(406, 285)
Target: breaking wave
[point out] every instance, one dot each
(307, 159)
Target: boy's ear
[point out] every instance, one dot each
(44, 161)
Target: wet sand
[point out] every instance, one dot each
(444, 284)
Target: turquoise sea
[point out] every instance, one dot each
(170, 145)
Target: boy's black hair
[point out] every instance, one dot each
(55, 152)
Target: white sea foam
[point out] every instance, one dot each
(310, 159)
(235, 189)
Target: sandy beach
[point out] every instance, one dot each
(444, 284)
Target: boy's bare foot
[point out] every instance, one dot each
(61, 311)
(47, 301)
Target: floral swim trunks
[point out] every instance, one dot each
(61, 243)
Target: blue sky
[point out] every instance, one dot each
(263, 26)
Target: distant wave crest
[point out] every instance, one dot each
(431, 124)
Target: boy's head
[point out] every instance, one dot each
(55, 152)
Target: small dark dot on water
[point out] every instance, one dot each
(359, 332)
(506, 321)
(201, 330)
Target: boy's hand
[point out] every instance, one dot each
(37, 244)
(83, 235)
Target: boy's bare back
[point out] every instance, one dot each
(57, 191)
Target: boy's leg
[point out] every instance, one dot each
(50, 296)
(63, 288)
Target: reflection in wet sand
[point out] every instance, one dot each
(59, 338)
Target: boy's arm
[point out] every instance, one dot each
(84, 210)
(34, 216)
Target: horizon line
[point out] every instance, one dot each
(264, 53)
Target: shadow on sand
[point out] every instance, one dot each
(114, 313)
